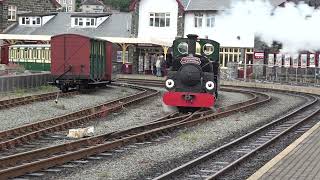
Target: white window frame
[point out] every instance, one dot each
(198, 18)
(76, 21)
(163, 19)
(64, 1)
(12, 13)
(69, 8)
(91, 22)
(210, 21)
(80, 20)
(70, 2)
(30, 20)
(88, 20)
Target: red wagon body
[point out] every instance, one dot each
(80, 62)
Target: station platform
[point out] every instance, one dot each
(300, 160)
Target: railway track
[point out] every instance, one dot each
(224, 159)
(9, 103)
(98, 146)
(21, 135)
(142, 82)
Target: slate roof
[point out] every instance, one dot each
(94, 15)
(55, 3)
(185, 2)
(216, 5)
(93, 2)
(117, 25)
(30, 14)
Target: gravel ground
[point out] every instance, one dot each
(136, 115)
(27, 92)
(37, 111)
(127, 166)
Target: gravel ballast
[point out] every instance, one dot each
(37, 111)
(151, 110)
(143, 158)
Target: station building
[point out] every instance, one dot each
(168, 19)
(10, 10)
(45, 25)
(148, 19)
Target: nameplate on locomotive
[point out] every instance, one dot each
(190, 60)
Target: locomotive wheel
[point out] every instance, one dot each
(64, 89)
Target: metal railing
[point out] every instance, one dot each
(309, 76)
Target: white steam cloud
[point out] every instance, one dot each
(296, 26)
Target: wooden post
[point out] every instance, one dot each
(165, 51)
(124, 47)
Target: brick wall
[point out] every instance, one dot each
(35, 6)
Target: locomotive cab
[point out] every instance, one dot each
(193, 78)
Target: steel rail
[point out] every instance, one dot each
(95, 145)
(9, 103)
(143, 82)
(194, 163)
(17, 136)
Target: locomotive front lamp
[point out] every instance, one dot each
(169, 83)
(209, 85)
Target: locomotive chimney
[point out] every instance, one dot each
(192, 43)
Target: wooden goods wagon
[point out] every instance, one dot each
(79, 62)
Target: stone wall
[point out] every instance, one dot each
(135, 20)
(35, 6)
(11, 83)
(180, 27)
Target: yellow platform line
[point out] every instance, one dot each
(284, 153)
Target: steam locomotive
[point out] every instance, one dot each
(193, 79)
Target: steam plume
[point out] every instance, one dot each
(296, 26)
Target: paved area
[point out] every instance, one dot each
(300, 160)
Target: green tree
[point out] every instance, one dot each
(123, 5)
(78, 3)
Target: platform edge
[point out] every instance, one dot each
(264, 169)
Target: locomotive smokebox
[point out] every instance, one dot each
(192, 43)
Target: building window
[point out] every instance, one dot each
(64, 1)
(88, 22)
(198, 20)
(85, 22)
(12, 13)
(27, 20)
(80, 22)
(31, 21)
(233, 55)
(92, 22)
(38, 20)
(210, 21)
(159, 20)
(76, 21)
(70, 1)
(69, 8)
